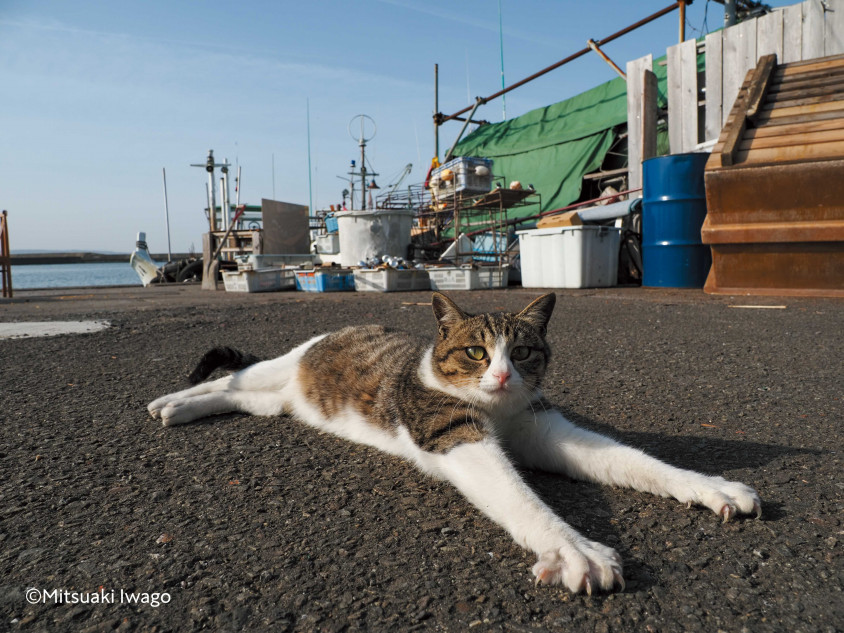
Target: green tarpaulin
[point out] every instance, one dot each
(553, 147)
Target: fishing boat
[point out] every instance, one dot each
(179, 271)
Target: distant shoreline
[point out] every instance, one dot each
(27, 259)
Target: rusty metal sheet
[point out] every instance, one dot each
(815, 269)
(797, 192)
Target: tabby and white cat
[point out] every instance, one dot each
(462, 409)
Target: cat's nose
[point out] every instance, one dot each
(502, 376)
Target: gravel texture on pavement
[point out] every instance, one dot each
(247, 523)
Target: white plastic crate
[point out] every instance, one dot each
(328, 244)
(466, 177)
(570, 257)
(391, 280)
(468, 277)
(259, 280)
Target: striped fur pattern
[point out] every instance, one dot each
(376, 372)
(466, 408)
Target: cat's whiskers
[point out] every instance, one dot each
(532, 410)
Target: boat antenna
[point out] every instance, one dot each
(361, 122)
(209, 166)
(167, 215)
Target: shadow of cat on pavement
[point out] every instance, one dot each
(594, 512)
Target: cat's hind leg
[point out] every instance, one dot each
(548, 441)
(263, 377)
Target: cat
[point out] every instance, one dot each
(466, 408)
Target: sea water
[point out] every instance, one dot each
(71, 275)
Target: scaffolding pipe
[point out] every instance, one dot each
(439, 119)
(436, 110)
(450, 151)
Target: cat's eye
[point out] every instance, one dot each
(520, 352)
(476, 353)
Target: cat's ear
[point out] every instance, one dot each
(538, 313)
(447, 312)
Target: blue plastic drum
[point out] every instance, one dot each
(673, 210)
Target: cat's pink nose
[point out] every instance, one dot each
(502, 376)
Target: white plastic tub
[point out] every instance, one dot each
(259, 280)
(391, 280)
(468, 277)
(570, 257)
(367, 234)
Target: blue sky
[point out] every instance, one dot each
(99, 96)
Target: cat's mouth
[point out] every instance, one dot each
(499, 391)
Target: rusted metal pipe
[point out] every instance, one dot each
(562, 62)
(591, 43)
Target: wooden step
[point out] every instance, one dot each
(815, 151)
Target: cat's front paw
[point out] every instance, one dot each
(585, 567)
(157, 405)
(729, 498)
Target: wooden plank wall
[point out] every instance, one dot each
(636, 77)
(795, 33)
(683, 93)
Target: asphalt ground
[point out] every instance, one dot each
(245, 523)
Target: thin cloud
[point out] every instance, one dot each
(193, 57)
(487, 25)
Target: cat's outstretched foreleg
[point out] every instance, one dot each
(548, 441)
(256, 390)
(201, 406)
(484, 474)
(155, 407)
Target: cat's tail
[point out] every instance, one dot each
(220, 358)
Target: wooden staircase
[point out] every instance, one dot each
(775, 184)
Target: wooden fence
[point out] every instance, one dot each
(699, 102)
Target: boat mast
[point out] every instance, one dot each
(310, 188)
(167, 215)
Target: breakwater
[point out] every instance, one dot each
(28, 259)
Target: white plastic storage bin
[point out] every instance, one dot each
(327, 244)
(468, 277)
(391, 280)
(570, 257)
(260, 280)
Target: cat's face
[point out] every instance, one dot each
(494, 359)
